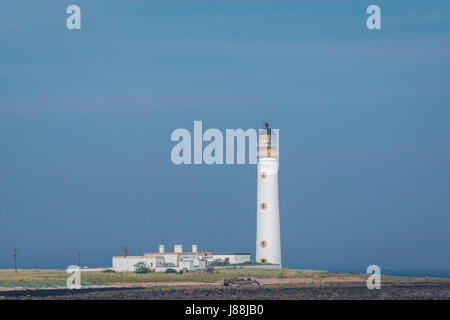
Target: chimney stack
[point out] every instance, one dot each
(178, 248)
(194, 248)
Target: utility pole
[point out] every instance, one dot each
(15, 260)
(79, 261)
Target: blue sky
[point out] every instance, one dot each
(86, 118)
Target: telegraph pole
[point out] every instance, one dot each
(15, 260)
(79, 260)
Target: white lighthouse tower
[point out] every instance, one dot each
(268, 246)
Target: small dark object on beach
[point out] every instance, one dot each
(171, 270)
(108, 271)
(240, 282)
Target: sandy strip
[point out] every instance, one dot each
(264, 281)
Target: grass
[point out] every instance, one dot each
(53, 278)
(38, 278)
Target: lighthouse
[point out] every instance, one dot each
(268, 246)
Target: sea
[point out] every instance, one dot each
(418, 273)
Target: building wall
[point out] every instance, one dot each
(169, 257)
(124, 264)
(233, 258)
(187, 264)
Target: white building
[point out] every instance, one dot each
(268, 246)
(178, 260)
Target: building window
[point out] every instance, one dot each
(263, 206)
(263, 260)
(263, 244)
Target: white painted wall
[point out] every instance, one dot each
(124, 264)
(233, 258)
(170, 258)
(187, 264)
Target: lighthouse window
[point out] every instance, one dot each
(263, 260)
(263, 175)
(263, 206)
(263, 244)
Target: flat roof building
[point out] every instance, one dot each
(178, 260)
